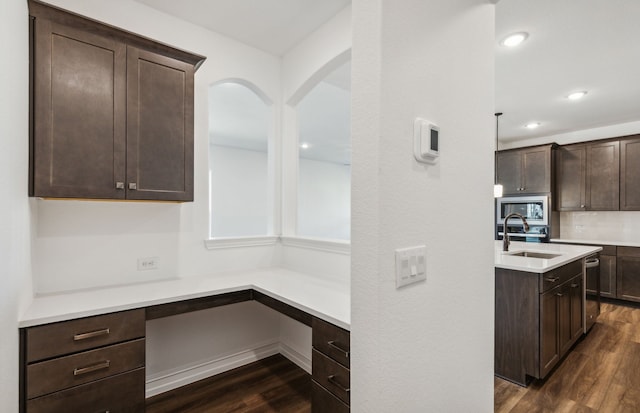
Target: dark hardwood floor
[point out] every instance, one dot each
(274, 384)
(601, 374)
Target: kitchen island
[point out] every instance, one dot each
(539, 307)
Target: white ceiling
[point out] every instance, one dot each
(573, 45)
(274, 26)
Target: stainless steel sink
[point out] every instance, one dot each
(533, 254)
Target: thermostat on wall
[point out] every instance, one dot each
(426, 141)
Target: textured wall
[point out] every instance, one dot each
(427, 347)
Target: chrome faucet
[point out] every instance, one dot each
(505, 237)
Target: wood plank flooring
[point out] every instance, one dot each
(273, 384)
(601, 374)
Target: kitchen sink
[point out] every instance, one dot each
(533, 254)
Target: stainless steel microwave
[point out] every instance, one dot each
(535, 209)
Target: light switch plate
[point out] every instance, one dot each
(411, 265)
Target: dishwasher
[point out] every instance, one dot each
(592, 291)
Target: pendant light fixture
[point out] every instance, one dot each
(497, 188)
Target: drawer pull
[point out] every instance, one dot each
(574, 285)
(91, 334)
(332, 379)
(333, 345)
(99, 366)
(552, 279)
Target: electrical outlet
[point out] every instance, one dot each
(149, 263)
(411, 265)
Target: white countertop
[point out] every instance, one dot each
(319, 297)
(567, 253)
(596, 242)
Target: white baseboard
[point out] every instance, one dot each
(302, 361)
(169, 381)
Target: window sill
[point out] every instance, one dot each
(325, 245)
(240, 242)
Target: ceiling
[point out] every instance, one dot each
(573, 45)
(274, 26)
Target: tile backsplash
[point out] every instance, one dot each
(623, 226)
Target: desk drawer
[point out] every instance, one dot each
(332, 341)
(331, 375)
(67, 337)
(123, 393)
(64, 372)
(324, 402)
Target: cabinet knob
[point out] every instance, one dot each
(119, 185)
(133, 186)
(581, 206)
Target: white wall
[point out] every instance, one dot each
(15, 209)
(429, 346)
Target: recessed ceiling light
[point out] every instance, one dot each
(532, 125)
(577, 95)
(304, 145)
(514, 39)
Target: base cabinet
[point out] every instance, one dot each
(331, 390)
(628, 273)
(92, 364)
(538, 318)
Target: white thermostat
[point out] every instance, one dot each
(426, 141)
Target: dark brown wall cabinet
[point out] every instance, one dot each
(538, 318)
(112, 112)
(630, 174)
(526, 170)
(587, 177)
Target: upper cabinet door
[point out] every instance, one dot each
(603, 169)
(510, 171)
(571, 176)
(159, 127)
(78, 132)
(536, 170)
(630, 175)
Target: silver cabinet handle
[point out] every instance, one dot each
(119, 185)
(332, 379)
(133, 186)
(98, 366)
(333, 345)
(560, 294)
(574, 285)
(97, 333)
(552, 279)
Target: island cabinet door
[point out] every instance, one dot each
(570, 326)
(549, 342)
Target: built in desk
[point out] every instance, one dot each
(85, 350)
